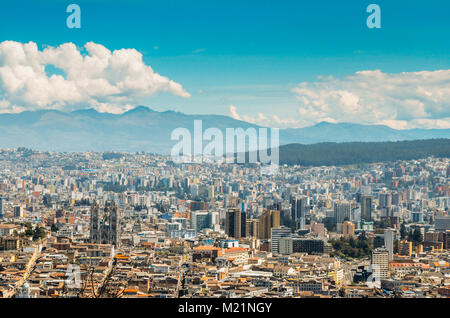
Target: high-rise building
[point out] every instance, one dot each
(200, 220)
(405, 248)
(341, 212)
(298, 211)
(18, 211)
(384, 199)
(1, 207)
(253, 227)
(389, 242)
(106, 231)
(235, 223)
(380, 263)
(366, 208)
(268, 220)
(276, 234)
(442, 223)
(214, 220)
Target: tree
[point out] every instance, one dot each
(39, 233)
(403, 231)
(54, 228)
(417, 236)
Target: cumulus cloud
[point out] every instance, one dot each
(92, 76)
(403, 100)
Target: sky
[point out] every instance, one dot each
(275, 63)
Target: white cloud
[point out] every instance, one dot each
(260, 119)
(108, 81)
(404, 100)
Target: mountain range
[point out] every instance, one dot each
(143, 129)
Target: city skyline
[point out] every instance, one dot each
(232, 156)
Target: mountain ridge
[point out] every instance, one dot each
(144, 129)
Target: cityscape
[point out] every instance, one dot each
(240, 156)
(129, 225)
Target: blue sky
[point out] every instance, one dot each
(249, 54)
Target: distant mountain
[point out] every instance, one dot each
(143, 129)
(348, 132)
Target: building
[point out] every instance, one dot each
(200, 220)
(442, 223)
(310, 246)
(341, 212)
(206, 252)
(380, 263)
(285, 246)
(267, 221)
(18, 211)
(106, 231)
(405, 248)
(348, 229)
(1, 207)
(238, 255)
(235, 223)
(10, 243)
(276, 234)
(298, 211)
(389, 242)
(384, 200)
(366, 208)
(253, 227)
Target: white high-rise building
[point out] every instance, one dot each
(276, 234)
(380, 263)
(389, 242)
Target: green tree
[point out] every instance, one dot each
(403, 231)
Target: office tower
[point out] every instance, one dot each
(233, 223)
(366, 208)
(310, 246)
(396, 198)
(442, 223)
(1, 207)
(243, 224)
(380, 263)
(405, 248)
(298, 211)
(200, 220)
(106, 231)
(214, 220)
(276, 234)
(18, 211)
(384, 199)
(268, 220)
(385, 203)
(341, 212)
(389, 242)
(253, 227)
(348, 229)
